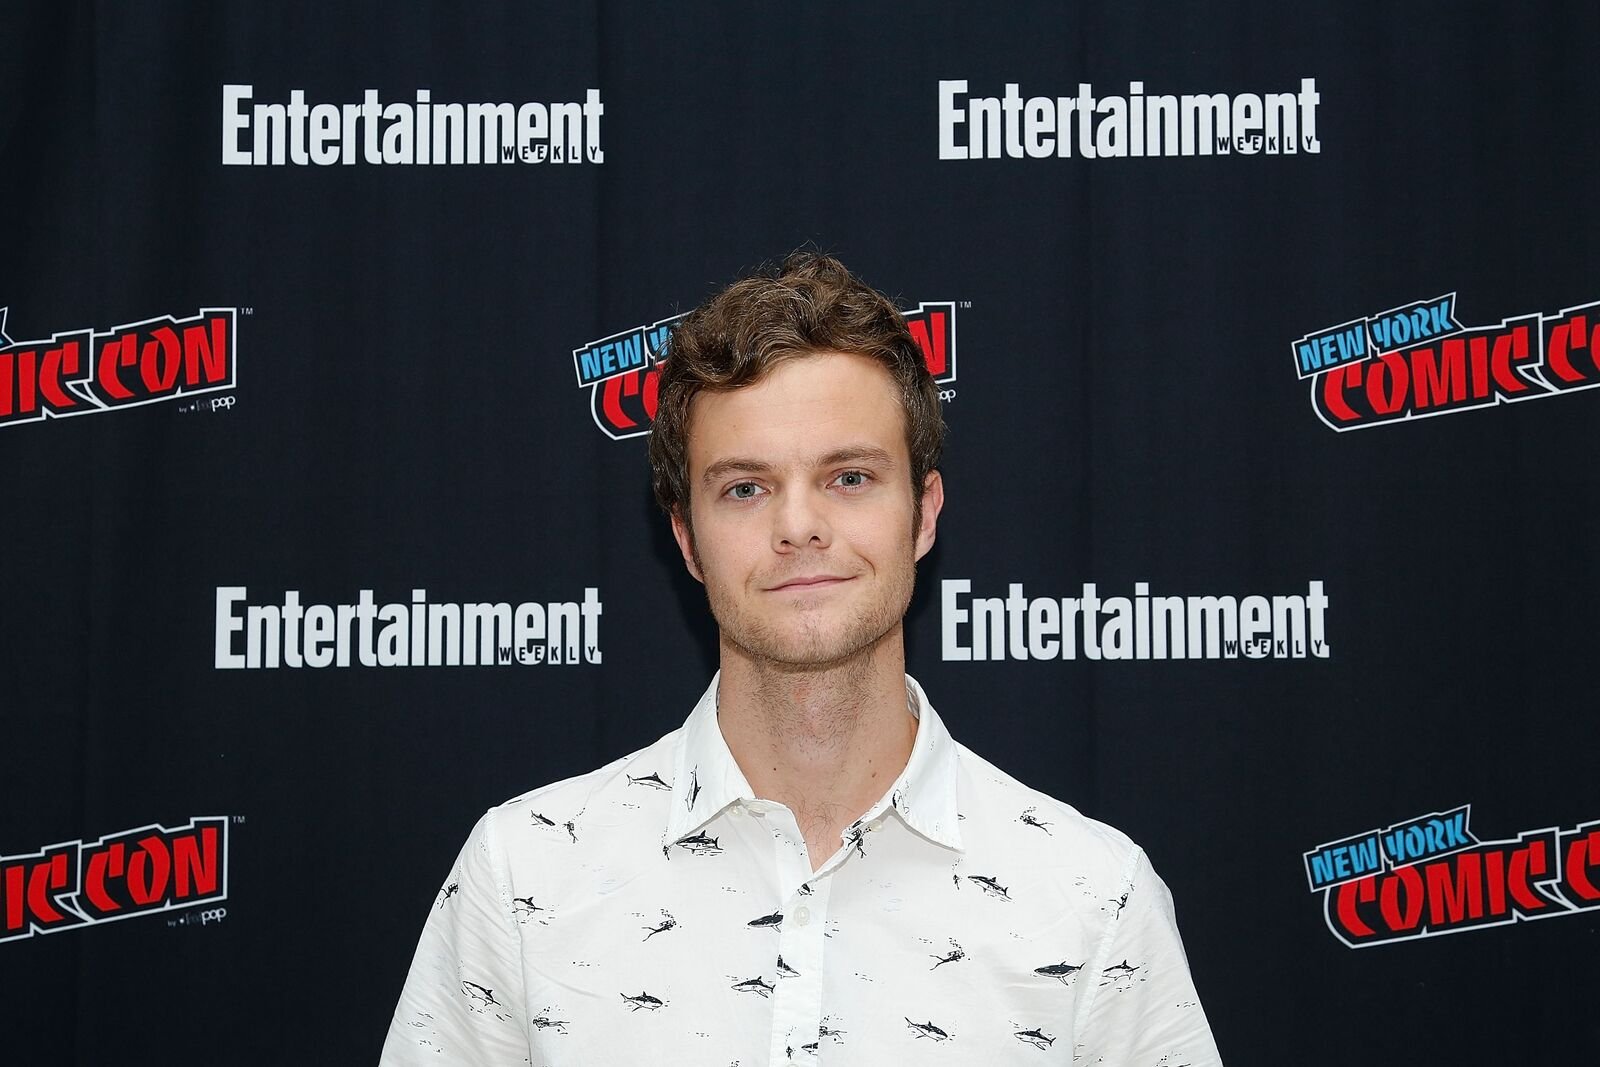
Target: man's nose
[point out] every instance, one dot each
(800, 521)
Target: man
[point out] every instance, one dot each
(810, 869)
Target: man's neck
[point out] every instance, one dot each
(825, 743)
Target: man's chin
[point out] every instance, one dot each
(806, 651)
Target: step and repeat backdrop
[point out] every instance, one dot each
(1267, 338)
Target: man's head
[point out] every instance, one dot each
(795, 443)
(810, 303)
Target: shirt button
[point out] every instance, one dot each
(802, 915)
(875, 825)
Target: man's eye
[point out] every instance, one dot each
(743, 491)
(853, 479)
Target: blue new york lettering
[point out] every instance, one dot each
(1342, 861)
(609, 357)
(1426, 320)
(658, 335)
(1426, 836)
(1335, 347)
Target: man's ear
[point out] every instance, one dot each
(932, 504)
(685, 538)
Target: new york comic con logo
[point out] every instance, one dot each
(82, 372)
(1417, 361)
(134, 872)
(621, 376)
(1431, 875)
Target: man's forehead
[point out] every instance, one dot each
(808, 410)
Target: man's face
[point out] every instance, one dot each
(800, 494)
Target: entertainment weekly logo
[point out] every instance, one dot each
(415, 132)
(87, 371)
(619, 372)
(418, 633)
(1431, 875)
(135, 872)
(1138, 627)
(1417, 361)
(1108, 126)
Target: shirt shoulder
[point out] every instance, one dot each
(648, 767)
(1000, 811)
(612, 811)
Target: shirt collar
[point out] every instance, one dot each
(707, 779)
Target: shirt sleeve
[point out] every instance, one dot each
(1142, 1007)
(463, 999)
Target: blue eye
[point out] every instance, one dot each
(853, 479)
(738, 492)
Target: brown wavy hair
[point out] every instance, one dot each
(809, 303)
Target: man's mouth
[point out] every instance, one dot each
(810, 581)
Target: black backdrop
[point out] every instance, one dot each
(400, 412)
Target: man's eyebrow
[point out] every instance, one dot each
(733, 465)
(866, 454)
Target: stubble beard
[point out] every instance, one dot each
(811, 642)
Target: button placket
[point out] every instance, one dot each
(797, 1011)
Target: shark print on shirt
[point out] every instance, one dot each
(1036, 1038)
(658, 904)
(696, 845)
(927, 1029)
(990, 886)
(1064, 971)
(643, 1000)
(652, 780)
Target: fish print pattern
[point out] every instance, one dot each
(927, 1029)
(657, 885)
(1063, 971)
(1036, 1038)
(653, 780)
(990, 886)
(699, 845)
(757, 985)
(643, 1001)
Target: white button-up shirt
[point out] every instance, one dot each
(657, 911)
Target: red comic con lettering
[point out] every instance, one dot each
(1580, 867)
(933, 327)
(154, 868)
(625, 406)
(1476, 368)
(164, 358)
(1573, 346)
(32, 888)
(1496, 882)
(35, 377)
